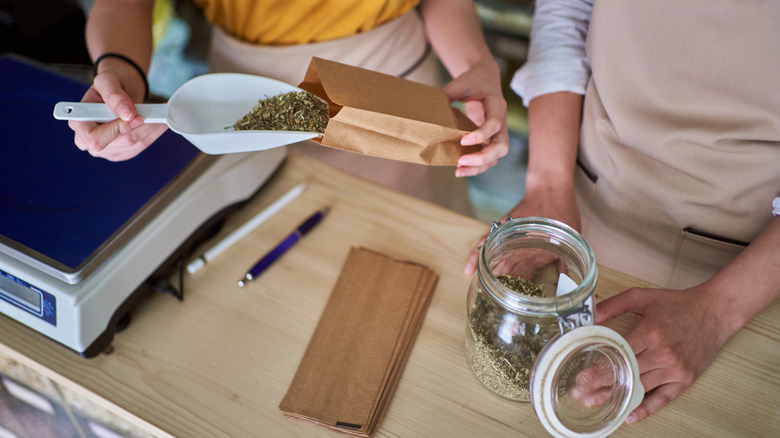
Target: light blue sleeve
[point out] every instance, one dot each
(556, 58)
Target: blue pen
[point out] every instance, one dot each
(284, 245)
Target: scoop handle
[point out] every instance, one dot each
(100, 112)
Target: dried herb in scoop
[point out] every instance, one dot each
(294, 111)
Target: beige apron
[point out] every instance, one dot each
(398, 47)
(680, 140)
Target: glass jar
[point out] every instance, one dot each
(514, 303)
(533, 287)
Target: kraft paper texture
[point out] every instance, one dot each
(355, 357)
(386, 116)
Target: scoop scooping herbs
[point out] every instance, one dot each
(294, 111)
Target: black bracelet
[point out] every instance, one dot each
(129, 61)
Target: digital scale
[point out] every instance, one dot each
(81, 237)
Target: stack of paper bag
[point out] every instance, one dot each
(354, 359)
(386, 116)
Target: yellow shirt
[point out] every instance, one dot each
(286, 22)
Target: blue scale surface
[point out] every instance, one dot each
(57, 203)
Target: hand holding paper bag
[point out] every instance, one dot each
(389, 117)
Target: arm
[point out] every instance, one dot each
(455, 33)
(553, 138)
(121, 27)
(552, 82)
(680, 333)
(553, 121)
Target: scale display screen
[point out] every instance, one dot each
(26, 296)
(60, 205)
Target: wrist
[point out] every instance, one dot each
(733, 304)
(724, 309)
(487, 61)
(549, 191)
(554, 173)
(122, 61)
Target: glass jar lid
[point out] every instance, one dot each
(585, 383)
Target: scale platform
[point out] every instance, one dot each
(80, 237)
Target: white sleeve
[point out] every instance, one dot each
(776, 206)
(556, 57)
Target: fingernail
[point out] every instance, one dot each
(125, 112)
(136, 122)
(468, 140)
(631, 419)
(464, 161)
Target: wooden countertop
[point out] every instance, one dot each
(218, 363)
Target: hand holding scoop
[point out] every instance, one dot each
(203, 110)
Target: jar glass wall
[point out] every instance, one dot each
(534, 281)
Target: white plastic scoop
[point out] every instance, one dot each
(203, 110)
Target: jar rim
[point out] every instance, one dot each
(526, 304)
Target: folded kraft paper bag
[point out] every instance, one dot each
(358, 350)
(386, 116)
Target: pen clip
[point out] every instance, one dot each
(309, 223)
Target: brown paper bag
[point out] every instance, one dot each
(356, 355)
(386, 116)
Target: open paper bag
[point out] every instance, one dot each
(386, 116)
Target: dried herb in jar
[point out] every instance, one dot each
(521, 285)
(505, 348)
(294, 111)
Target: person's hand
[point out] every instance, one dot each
(678, 335)
(553, 202)
(128, 135)
(593, 385)
(480, 90)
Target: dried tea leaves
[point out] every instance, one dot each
(294, 111)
